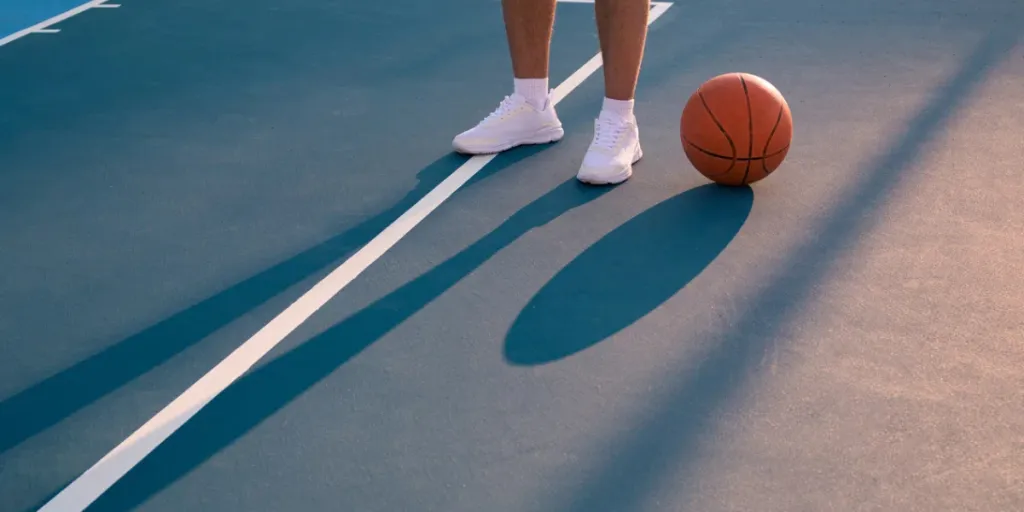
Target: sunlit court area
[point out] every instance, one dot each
(249, 265)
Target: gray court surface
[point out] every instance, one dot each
(844, 336)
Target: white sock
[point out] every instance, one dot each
(621, 110)
(535, 90)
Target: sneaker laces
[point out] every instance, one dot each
(508, 105)
(607, 134)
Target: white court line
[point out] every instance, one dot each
(88, 487)
(41, 27)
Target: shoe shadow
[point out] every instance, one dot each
(627, 274)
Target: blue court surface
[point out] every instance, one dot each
(233, 278)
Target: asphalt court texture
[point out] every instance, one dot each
(844, 335)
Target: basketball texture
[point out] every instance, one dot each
(736, 129)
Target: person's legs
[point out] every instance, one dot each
(622, 30)
(528, 27)
(526, 116)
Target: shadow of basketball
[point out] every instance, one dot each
(627, 274)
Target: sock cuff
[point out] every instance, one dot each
(535, 90)
(623, 109)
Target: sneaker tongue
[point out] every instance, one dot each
(614, 118)
(510, 103)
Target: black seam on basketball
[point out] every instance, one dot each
(750, 137)
(732, 145)
(723, 157)
(764, 161)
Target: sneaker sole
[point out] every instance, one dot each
(619, 178)
(546, 136)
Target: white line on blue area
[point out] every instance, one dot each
(43, 26)
(88, 487)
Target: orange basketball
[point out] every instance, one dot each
(736, 129)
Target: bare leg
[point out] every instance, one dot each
(622, 29)
(528, 26)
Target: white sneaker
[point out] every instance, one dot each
(514, 123)
(614, 150)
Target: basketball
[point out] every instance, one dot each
(736, 129)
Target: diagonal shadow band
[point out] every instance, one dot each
(264, 391)
(664, 442)
(46, 403)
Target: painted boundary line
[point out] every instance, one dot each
(43, 26)
(88, 487)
